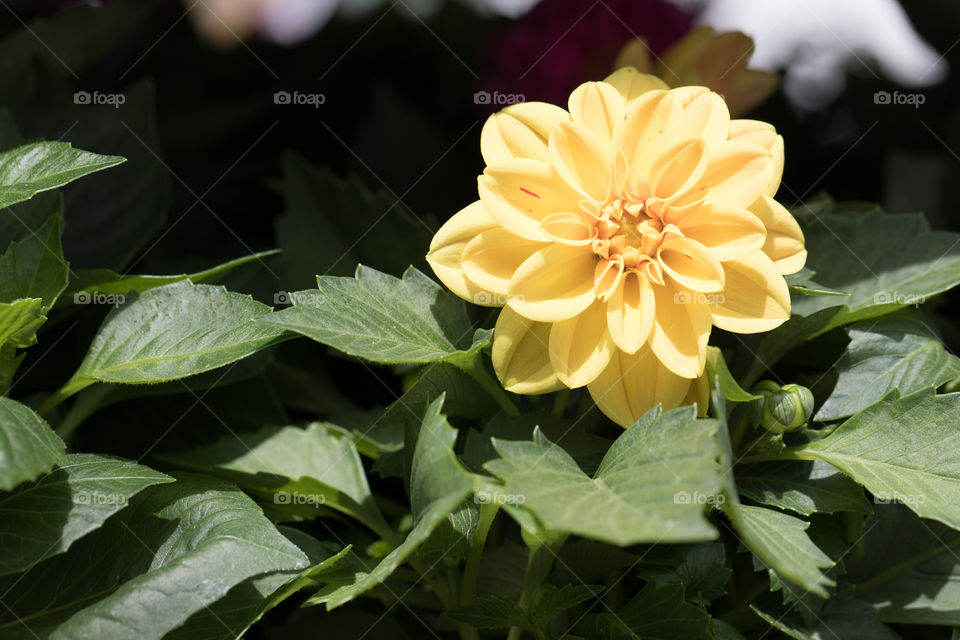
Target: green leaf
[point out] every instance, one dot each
(907, 568)
(438, 484)
(111, 283)
(801, 487)
(652, 486)
(43, 518)
(493, 612)
(802, 283)
(297, 469)
(843, 617)
(28, 447)
(778, 540)
(901, 448)
(330, 225)
(653, 614)
(19, 322)
(884, 262)
(383, 319)
(700, 569)
(717, 369)
(30, 168)
(888, 354)
(175, 331)
(176, 549)
(34, 267)
(549, 601)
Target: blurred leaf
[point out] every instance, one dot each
(843, 617)
(653, 614)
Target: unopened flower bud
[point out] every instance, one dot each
(782, 408)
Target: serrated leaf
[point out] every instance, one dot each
(43, 518)
(330, 225)
(903, 449)
(176, 549)
(883, 355)
(438, 484)
(843, 617)
(549, 601)
(28, 446)
(175, 331)
(34, 267)
(802, 283)
(297, 469)
(652, 486)
(801, 487)
(907, 568)
(653, 614)
(382, 319)
(492, 612)
(19, 322)
(109, 282)
(700, 569)
(32, 167)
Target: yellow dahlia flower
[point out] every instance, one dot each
(616, 234)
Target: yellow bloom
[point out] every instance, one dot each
(617, 234)
(704, 57)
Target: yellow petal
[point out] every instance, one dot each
(580, 348)
(756, 297)
(554, 284)
(691, 264)
(650, 125)
(581, 159)
(679, 169)
(633, 384)
(520, 131)
(520, 355)
(635, 54)
(447, 246)
(598, 106)
(681, 329)
(739, 173)
(630, 312)
(699, 394)
(520, 193)
(784, 244)
(728, 232)
(763, 134)
(632, 82)
(490, 259)
(705, 114)
(568, 228)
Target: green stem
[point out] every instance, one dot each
(795, 453)
(530, 582)
(71, 387)
(479, 372)
(468, 587)
(560, 402)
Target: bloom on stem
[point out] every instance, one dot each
(617, 234)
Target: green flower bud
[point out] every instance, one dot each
(783, 408)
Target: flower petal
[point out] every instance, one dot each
(681, 329)
(520, 193)
(568, 228)
(554, 284)
(679, 168)
(738, 174)
(636, 54)
(520, 131)
(446, 248)
(632, 384)
(650, 125)
(784, 244)
(632, 83)
(630, 312)
(691, 264)
(520, 355)
(581, 159)
(756, 297)
(597, 106)
(580, 348)
(728, 232)
(705, 114)
(763, 134)
(490, 259)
